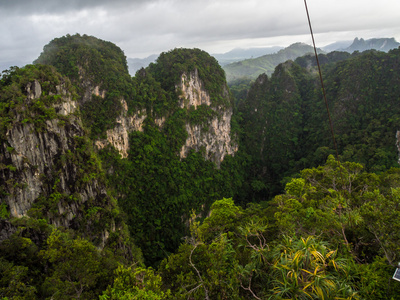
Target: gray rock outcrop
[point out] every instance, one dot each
(214, 136)
(40, 164)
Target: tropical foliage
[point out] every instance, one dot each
(91, 64)
(286, 126)
(282, 219)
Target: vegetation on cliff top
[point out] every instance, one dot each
(170, 66)
(14, 107)
(89, 63)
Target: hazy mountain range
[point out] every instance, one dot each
(253, 67)
(383, 44)
(240, 54)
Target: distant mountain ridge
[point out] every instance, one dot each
(239, 54)
(135, 64)
(337, 46)
(250, 55)
(381, 44)
(252, 68)
(235, 55)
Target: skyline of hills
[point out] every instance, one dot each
(242, 54)
(252, 68)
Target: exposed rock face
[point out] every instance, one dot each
(216, 141)
(213, 136)
(34, 90)
(32, 156)
(193, 92)
(33, 153)
(119, 135)
(35, 163)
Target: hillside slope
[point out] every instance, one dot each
(251, 68)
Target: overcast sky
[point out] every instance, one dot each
(144, 27)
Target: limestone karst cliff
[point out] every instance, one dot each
(48, 167)
(118, 137)
(31, 153)
(99, 72)
(199, 84)
(66, 116)
(113, 105)
(213, 134)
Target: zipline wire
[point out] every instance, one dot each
(323, 88)
(329, 116)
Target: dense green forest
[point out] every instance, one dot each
(280, 219)
(285, 122)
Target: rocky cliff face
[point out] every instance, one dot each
(193, 91)
(213, 135)
(88, 87)
(32, 154)
(118, 136)
(99, 69)
(47, 165)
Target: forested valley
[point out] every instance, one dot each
(172, 184)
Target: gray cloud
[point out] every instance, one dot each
(27, 7)
(143, 27)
